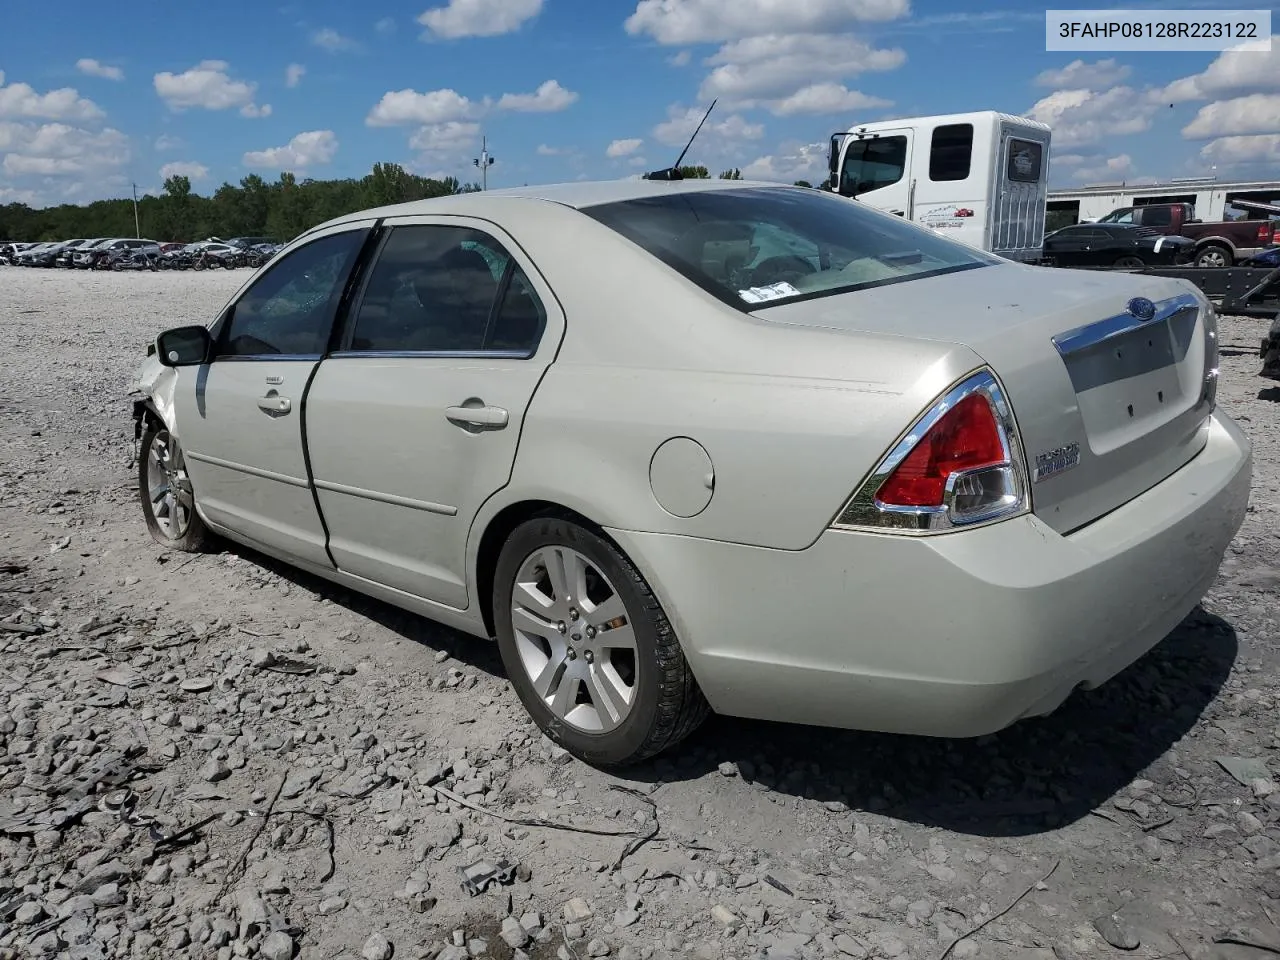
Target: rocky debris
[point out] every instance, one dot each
(377, 947)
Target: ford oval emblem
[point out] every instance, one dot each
(1142, 308)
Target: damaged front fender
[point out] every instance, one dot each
(153, 392)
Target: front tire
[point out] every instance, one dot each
(164, 488)
(588, 648)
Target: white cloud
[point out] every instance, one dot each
(1109, 170)
(1242, 151)
(547, 151)
(672, 22)
(550, 97)
(330, 39)
(1258, 113)
(20, 101)
(1247, 68)
(681, 59)
(793, 161)
(410, 108)
(682, 121)
(452, 137)
(623, 148)
(293, 74)
(400, 108)
(57, 149)
(168, 142)
(386, 26)
(777, 65)
(1078, 75)
(478, 18)
(208, 86)
(826, 98)
(93, 68)
(1080, 117)
(184, 168)
(254, 111)
(308, 149)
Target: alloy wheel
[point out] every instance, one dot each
(168, 487)
(574, 639)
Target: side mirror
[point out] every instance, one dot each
(184, 346)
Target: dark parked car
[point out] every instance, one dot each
(1118, 245)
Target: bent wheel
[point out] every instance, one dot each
(588, 647)
(168, 501)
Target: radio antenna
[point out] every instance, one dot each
(673, 172)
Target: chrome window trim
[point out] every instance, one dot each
(864, 511)
(431, 355)
(1090, 335)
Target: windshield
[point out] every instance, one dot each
(769, 245)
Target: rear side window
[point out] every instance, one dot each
(439, 289)
(1026, 158)
(951, 152)
(1157, 216)
(757, 247)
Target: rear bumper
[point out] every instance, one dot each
(955, 635)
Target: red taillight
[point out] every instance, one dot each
(959, 464)
(966, 438)
(1264, 232)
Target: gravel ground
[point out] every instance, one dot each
(214, 756)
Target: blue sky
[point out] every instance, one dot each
(95, 97)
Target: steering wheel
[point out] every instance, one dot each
(786, 267)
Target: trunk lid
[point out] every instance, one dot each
(1107, 404)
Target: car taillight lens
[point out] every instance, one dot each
(1264, 233)
(959, 465)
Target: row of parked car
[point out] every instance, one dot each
(135, 253)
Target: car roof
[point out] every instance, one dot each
(580, 196)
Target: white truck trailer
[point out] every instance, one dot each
(981, 178)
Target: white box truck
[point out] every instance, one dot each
(981, 178)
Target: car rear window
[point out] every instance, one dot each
(763, 246)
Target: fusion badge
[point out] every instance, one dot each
(1053, 462)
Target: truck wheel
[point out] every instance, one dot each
(1214, 255)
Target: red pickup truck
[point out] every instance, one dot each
(1219, 244)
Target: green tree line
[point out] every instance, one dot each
(702, 173)
(279, 209)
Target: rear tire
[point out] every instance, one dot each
(164, 488)
(1129, 263)
(608, 700)
(1214, 255)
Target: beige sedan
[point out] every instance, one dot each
(713, 446)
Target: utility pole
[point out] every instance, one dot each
(484, 162)
(137, 230)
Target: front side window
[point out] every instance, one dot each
(757, 247)
(873, 163)
(289, 310)
(438, 289)
(951, 152)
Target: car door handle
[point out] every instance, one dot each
(482, 416)
(275, 404)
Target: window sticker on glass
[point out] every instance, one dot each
(774, 291)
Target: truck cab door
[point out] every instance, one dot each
(876, 169)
